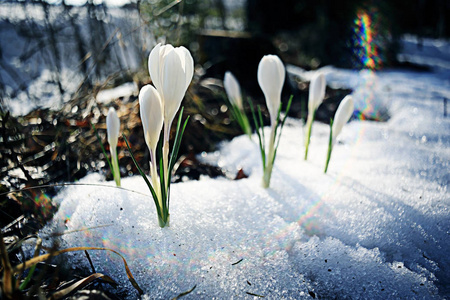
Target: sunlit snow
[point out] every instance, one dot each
(375, 226)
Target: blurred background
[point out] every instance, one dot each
(64, 63)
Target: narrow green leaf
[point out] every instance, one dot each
(164, 186)
(177, 142)
(27, 280)
(288, 107)
(278, 118)
(103, 149)
(261, 126)
(155, 197)
(258, 133)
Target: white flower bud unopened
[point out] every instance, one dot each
(233, 90)
(151, 115)
(271, 74)
(343, 114)
(112, 127)
(316, 92)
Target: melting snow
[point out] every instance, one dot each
(376, 226)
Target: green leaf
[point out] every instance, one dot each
(288, 107)
(258, 133)
(261, 125)
(164, 187)
(177, 141)
(103, 149)
(155, 197)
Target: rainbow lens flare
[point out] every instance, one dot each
(366, 48)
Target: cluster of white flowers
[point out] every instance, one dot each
(271, 76)
(171, 70)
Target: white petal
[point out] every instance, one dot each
(112, 127)
(151, 115)
(154, 65)
(188, 64)
(343, 114)
(316, 92)
(233, 89)
(174, 85)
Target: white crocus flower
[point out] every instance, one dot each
(316, 94)
(171, 70)
(271, 75)
(152, 120)
(112, 129)
(341, 117)
(233, 90)
(343, 114)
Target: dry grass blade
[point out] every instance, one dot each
(8, 285)
(44, 257)
(184, 293)
(80, 284)
(167, 7)
(255, 295)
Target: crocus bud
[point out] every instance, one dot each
(343, 114)
(316, 92)
(112, 127)
(271, 74)
(171, 70)
(233, 90)
(151, 115)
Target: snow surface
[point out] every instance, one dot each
(375, 226)
(30, 71)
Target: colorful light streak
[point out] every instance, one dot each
(365, 45)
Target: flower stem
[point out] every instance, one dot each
(155, 178)
(330, 146)
(166, 154)
(270, 158)
(115, 166)
(309, 123)
(163, 220)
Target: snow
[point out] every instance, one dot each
(125, 90)
(31, 76)
(375, 226)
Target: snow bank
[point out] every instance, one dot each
(376, 226)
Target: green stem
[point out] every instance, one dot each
(166, 155)
(103, 148)
(330, 146)
(166, 165)
(270, 158)
(309, 123)
(115, 166)
(164, 220)
(155, 178)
